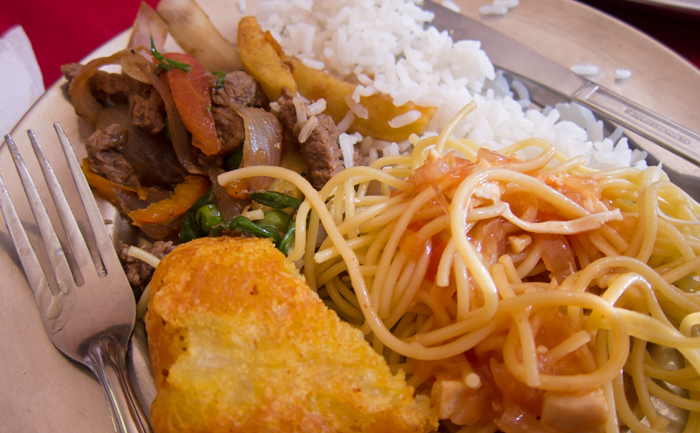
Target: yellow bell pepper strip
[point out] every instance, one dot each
(164, 211)
(191, 94)
(106, 187)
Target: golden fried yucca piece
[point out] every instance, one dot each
(239, 343)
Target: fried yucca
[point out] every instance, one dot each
(240, 343)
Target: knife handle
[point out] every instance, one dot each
(660, 130)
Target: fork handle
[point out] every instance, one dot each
(106, 358)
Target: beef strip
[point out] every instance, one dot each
(146, 107)
(322, 152)
(229, 128)
(238, 87)
(147, 113)
(288, 113)
(321, 149)
(138, 272)
(105, 149)
(70, 70)
(117, 87)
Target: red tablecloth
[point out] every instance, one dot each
(68, 30)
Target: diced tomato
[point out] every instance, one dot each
(491, 239)
(413, 245)
(523, 204)
(557, 255)
(515, 420)
(432, 171)
(442, 295)
(452, 399)
(435, 171)
(514, 391)
(191, 94)
(582, 190)
(438, 247)
(495, 157)
(555, 327)
(166, 210)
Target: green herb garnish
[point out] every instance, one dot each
(233, 161)
(165, 63)
(245, 225)
(221, 77)
(288, 238)
(276, 200)
(191, 229)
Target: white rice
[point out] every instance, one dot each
(347, 147)
(313, 64)
(622, 74)
(386, 46)
(300, 109)
(493, 9)
(510, 4)
(449, 4)
(391, 150)
(587, 69)
(405, 119)
(316, 107)
(308, 128)
(357, 108)
(344, 124)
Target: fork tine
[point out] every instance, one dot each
(30, 263)
(104, 242)
(63, 274)
(70, 225)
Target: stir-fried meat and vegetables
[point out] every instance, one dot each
(222, 121)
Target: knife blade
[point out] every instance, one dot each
(512, 56)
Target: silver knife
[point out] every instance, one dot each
(510, 55)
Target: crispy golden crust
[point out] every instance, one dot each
(239, 343)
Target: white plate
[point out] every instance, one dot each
(679, 5)
(42, 391)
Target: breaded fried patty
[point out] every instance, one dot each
(240, 343)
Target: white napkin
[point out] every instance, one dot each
(21, 82)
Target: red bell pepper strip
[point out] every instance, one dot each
(191, 94)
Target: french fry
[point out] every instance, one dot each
(261, 60)
(314, 84)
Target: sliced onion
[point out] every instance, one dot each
(263, 142)
(85, 104)
(138, 67)
(195, 33)
(178, 133)
(148, 23)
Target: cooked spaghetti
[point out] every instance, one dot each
(516, 293)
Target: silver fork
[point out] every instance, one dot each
(92, 316)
